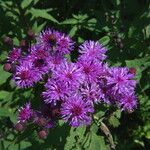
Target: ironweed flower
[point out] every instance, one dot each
(76, 111)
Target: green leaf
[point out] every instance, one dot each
(97, 143)
(39, 13)
(73, 31)
(70, 142)
(6, 96)
(5, 112)
(26, 3)
(114, 118)
(3, 75)
(38, 28)
(114, 121)
(70, 21)
(104, 40)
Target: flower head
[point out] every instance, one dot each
(55, 41)
(14, 55)
(128, 102)
(93, 50)
(76, 111)
(90, 69)
(121, 80)
(91, 92)
(47, 39)
(55, 60)
(64, 44)
(40, 59)
(26, 75)
(25, 113)
(68, 72)
(55, 91)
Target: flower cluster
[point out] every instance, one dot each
(72, 89)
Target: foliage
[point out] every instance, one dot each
(123, 27)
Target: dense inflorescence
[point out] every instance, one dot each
(72, 89)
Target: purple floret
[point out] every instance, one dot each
(55, 91)
(14, 55)
(91, 92)
(76, 111)
(26, 75)
(48, 39)
(55, 60)
(55, 41)
(40, 59)
(121, 80)
(68, 72)
(25, 113)
(64, 44)
(93, 50)
(128, 102)
(90, 69)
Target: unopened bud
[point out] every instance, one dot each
(7, 40)
(55, 112)
(23, 43)
(31, 34)
(7, 67)
(132, 70)
(41, 121)
(42, 134)
(19, 127)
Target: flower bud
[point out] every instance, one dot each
(7, 40)
(19, 127)
(41, 121)
(23, 43)
(42, 134)
(132, 70)
(31, 34)
(7, 67)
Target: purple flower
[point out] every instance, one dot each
(40, 59)
(93, 50)
(25, 113)
(55, 60)
(26, 75)
(47, 39)
(91, 92)
(76, 111)
(14, 55)
(43, 120)
(55, 41)
(128, 102)
(64, 44)
(90, 69)
(121, 80)
(55, 91)
(68, 72)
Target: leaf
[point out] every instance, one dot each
(38, 28)
(5, 112)
(73, 31)
(26, 3)
(42, 14)
(147, 28)
(6, 96)
(71, 21)
(114, 118)
(97, 143)
(70, 142)
(3, 75)
(104, 40)
(114, 121)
